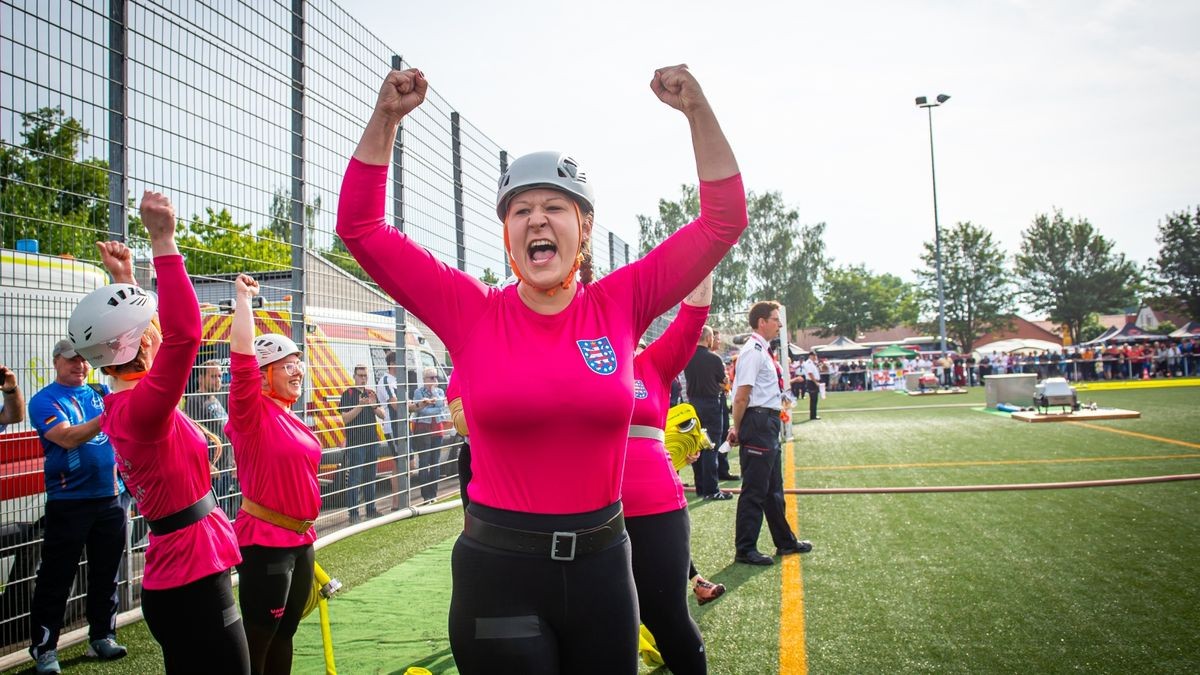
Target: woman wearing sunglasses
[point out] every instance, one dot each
(277, 458)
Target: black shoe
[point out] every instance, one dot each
(802, 546)
(719, 496)
(753, 558)
(816, 417)
(732, 476)
(354, 518)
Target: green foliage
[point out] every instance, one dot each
(1069, 271)
(1178, 261)
(280, 226)
(340, 255)
(974, 281)
(49, 194)
(854, 300)
(1091, 328)
(217, 245)
(489, 277)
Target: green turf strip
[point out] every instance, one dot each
(396, 620)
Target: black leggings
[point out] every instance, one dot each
(198, 627)
(523, 613)
(660, 565)
(273, 589)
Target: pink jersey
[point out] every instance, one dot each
(651, 484)
(548, 398)
(162, 454)
(277, 458)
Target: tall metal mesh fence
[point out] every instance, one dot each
(244, 114)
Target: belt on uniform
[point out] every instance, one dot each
(643, 431)
(184, 517)
(558, 545)
(765, 411)
(276, 518)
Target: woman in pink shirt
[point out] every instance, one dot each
(656, 514)
(277, 458)
(544, 530)
(187, 598)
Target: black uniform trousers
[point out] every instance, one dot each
(762, 483)
(705, 469)
(814, 392)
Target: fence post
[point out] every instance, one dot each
(612, 252)
(504, 254)
(299, 220)
(403, 443)
(118, 173)
(460, 233)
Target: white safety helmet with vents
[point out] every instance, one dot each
(107, 325)
(547, 169)
(272, 347)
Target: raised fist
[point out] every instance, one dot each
(401, 93)
(246, 286)
(158, 215)
(675, 86)
(117, 259)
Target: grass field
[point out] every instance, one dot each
(1096, 580)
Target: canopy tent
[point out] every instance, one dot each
(894, 352)
(1189, 329)
(1130, 332)
(1017, 346)
(1111, 331)
(842, 348)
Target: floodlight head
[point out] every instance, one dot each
(942, 98)
(921, 100)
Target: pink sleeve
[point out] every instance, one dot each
(452, 388)
(674, 348)
(446, 299)
(245, 386)
(160, 391)
(666, 274)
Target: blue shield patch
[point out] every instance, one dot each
(639, 390)
(598, 354)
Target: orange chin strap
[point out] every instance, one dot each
(271, 388)
(133, 377)
(566, 282)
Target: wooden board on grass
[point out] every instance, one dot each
(1077, 416)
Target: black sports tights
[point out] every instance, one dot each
(661, 559)
(273, 589)
(521, 613)
(198, 627)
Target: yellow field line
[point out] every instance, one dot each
(792, 655)
(1000, 462)
(1160, 439)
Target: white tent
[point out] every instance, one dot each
(1013, 345)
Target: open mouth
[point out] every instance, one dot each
(541, 251)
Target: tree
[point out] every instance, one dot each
(489, 277)
(49, 194)
(281, 218)
(854, 301)
(1069, 271)
(730, 275)
(974, 281)
(217, 245)
(1178, 261)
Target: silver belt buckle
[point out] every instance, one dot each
(554, 543)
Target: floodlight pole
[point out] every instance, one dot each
(937, 230)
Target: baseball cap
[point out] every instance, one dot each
(64, 348)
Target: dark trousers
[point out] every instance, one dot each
(704, 470)
(661, 558)
(814, 393)
(198, 627)
(523, 613)
(273, 589)
(73, 525)
(360, 475)
(427, 445)
(762, 483)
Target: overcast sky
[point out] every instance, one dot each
(1090, 107)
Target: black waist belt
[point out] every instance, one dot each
(181, 519)
(765, 411)
(558, 545)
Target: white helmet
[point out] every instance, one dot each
(107, 324)
(272, 347)
(554, 170)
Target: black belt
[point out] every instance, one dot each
(558, 545)
(765, 411)
(181, 519)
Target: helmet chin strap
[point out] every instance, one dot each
(288, 400)
(566, 282)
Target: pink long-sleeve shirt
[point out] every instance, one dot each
(549, 398)
(161, 453)
(651, 484)
(277, 458)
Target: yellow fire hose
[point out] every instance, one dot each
(323, 588)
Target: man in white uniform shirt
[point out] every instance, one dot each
(812, 381)
(758, 389)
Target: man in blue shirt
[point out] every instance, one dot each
(86, 505)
